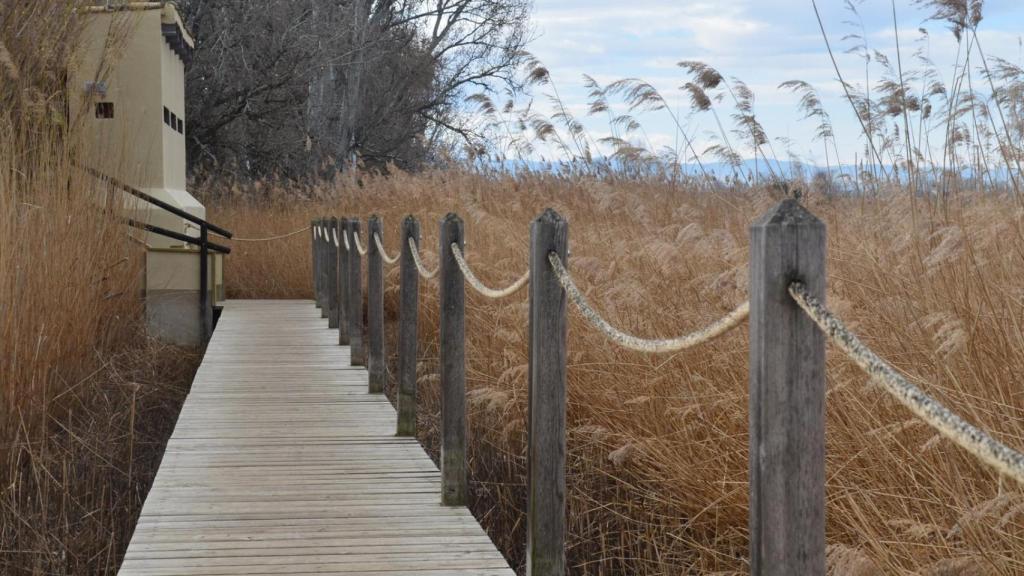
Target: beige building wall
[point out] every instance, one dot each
(126, 92)
(120, 63)
(172, 70)
(124, 51)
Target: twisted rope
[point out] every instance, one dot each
(479, 286)
(281, 237)
(383, 254)
(730, 321)
(359, 245)
(419, 264)
(974, 440)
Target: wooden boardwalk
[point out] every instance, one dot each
(282, 463)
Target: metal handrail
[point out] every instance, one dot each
(203, 242)
(178, 236)
(159, 203)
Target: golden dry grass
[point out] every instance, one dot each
(658, 444)
(86, 400)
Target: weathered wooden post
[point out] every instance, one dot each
(314, 239)
(454, 488)
(325, 239)
(376, 364)
(343, 283)
(319, 253)
(407, 320)
(787, 396)
(332, 275)
(545, 545)
(355, 297)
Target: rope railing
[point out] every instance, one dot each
(655, 346)
(787, 372)
(272, 238)
(428, 274)
(931, 411)
(359, 244)
(479, 286)
(383, 254)
(334, 233)
(348, 247)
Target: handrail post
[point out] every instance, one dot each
(454, 489)
(205, 311)
(545, 545)
(376, 364)
(407, 322)
(332, 275)
(315, 260)
(787, 396)
(355, 297)
(344, 288)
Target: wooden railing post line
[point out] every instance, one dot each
(376, 364)
(545, 546)
(314, 240)
(787, 396)
(324, 241)
(343, 284)
(355, 296)
(454, 488)
(319, 253)
(332, 275)
(407, 321)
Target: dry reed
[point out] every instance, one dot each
(658, 444)
(86, 400)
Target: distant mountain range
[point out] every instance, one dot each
(791, 170)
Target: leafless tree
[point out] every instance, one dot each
(307, 87)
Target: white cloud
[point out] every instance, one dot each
(707, 26)
(762, 42)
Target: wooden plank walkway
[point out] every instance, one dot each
(282, 463)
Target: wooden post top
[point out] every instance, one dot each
(789, 212)
(411, 229)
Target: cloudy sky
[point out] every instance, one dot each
(762, 42)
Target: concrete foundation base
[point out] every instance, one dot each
(173, 316)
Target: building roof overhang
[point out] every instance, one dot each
(172, 27)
